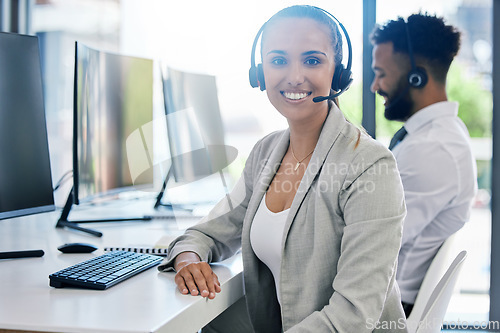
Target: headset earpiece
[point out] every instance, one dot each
(256, 76)
(260, 77)
(417, 78)
(342, 78)
(252, 75)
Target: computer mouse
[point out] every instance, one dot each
(77, 248)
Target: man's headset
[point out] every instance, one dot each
(342, 77)
(417, 77)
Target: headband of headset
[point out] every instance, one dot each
(342, 77)
(417, 77)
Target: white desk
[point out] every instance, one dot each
(147, 302)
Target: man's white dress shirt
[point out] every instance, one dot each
(438, 172)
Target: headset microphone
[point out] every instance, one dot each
(319, 99)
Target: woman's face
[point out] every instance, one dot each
(298, 64)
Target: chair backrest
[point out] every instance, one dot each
(435, 272)
(435, 309)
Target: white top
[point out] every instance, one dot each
(438, 173)
(266, 235)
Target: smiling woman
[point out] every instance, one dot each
(299, 57)
(306, 231)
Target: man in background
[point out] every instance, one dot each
(411, 60)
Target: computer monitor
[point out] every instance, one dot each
(194, 127)
(113, 98)
(25, 174)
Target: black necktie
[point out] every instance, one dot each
(398, 137)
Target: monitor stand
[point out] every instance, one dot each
(170, 206)
(162, 190)
(64, 223)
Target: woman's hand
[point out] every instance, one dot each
(195, 276)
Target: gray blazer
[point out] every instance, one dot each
(341, 242)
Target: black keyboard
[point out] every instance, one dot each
(104, 271)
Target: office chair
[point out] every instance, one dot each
(432, 317)
(436, 270)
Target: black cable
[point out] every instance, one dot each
(63, 179)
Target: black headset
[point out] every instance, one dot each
(342, 77)
(417, 77)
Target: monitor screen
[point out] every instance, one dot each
(194, 125)
(25, 175)
(113, 99)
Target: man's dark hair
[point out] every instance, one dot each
(432, 41)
